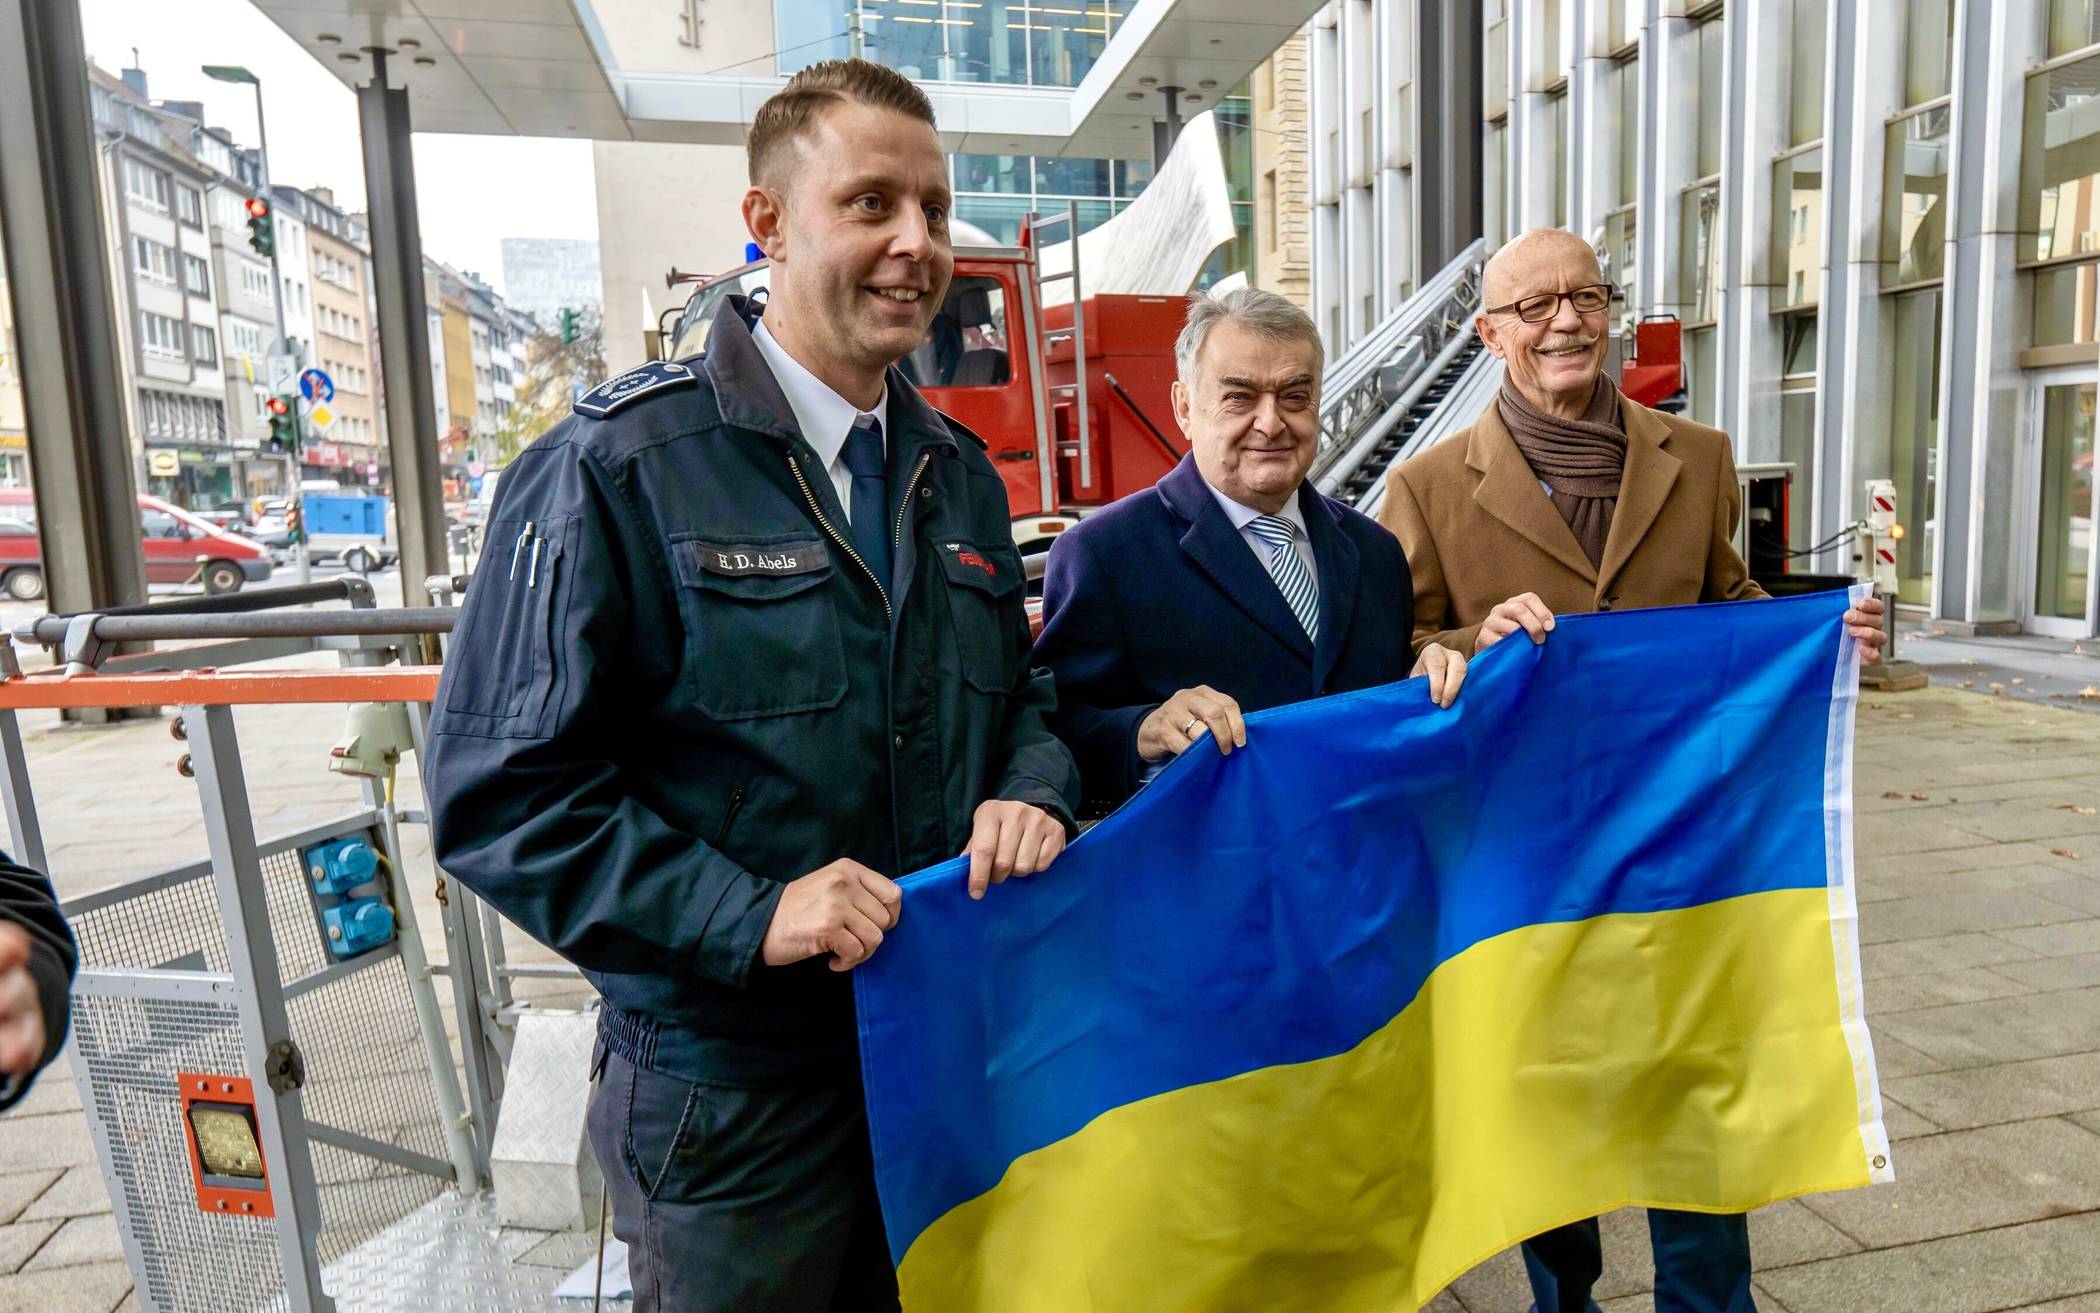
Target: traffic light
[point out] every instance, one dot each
(284, 425)
(262, 234)
(568, 326)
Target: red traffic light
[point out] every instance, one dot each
(278, 406)
(258, 208)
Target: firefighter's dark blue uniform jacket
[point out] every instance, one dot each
(674, 686)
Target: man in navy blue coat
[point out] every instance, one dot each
(1231, 585)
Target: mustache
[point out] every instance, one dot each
(1565, 342)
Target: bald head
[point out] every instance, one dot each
(1542, 260)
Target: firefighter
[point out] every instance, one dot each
(747, 641)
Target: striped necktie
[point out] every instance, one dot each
(1293, 580)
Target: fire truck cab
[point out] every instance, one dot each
(997, 359)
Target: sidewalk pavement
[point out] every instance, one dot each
(1979, 880)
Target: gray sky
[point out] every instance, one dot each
(473, 191)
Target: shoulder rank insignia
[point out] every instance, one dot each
(603, 401)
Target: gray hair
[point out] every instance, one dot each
(1264, 314)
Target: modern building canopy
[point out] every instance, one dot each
(546, 68)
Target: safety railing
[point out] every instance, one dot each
(1369, 383)
(257, 1036)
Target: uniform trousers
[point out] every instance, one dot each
(1702, 1264)
(734, 1200)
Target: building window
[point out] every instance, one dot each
(1618, 29)
(1910, 453)
(145, 185)
(1699, 366)
(1625, 106)
(1555, 144)
(196, 275)
(152, 260)
(1914, 197)
(2060, 162)
(1797, 226)
(160, 335)
(255, 281)
(1928, 50)
(1808, 37)
(2067, 304)
(1711, 36)
(1700, 274)
(243, 339)
(204, 345)
(1797, 420)
(189, 205)
(1494, 95)
(2073, 25)
(1620, 245)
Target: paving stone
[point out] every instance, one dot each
(1904, 993)
(58, 1139)
(94, 1288)
(1903, 1123)
(2003, 1269)
(1894, 1059)
(2053, 973)
(2064, 939)
(1767, 1302)
(80, 1240)
(1928, 918)
(19, 1241)
(1499, 1283)
(2076, 1304)
(2018, 1091)
(1445, 1302)
(1966, 1181)
(55, 1091)
(2001, 1030)
(2082, 894)
(1893, 837)
(19, 1189)
(1883, 962)
(1939, 884)
(1790, 1232)
(80, 1192)
(1870, 891)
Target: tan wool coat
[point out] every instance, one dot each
(1478, 528)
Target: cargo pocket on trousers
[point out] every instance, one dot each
(761, 626)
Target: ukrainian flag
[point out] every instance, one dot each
(1325, 1023)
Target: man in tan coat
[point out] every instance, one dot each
(1562, 497)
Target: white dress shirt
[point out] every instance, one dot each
(1242, 516)
(824, 416)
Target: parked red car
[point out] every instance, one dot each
(174, 541)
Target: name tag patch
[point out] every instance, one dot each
(737, 562)
(966, 555)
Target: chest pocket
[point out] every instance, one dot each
(980, 580)
(761, 627)
(502, 684)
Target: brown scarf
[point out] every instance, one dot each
(1581, 459)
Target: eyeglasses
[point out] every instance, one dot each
(1538, 309)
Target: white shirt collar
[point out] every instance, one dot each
(824, 416)
(1242, 516)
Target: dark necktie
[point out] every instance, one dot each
(870, 504)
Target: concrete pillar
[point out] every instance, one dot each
(1754, 129)
(1669, 74)
(1977, 552)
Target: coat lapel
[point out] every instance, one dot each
(1510, 492)
(1219, 551)
(1650, 474)
(1337, 558)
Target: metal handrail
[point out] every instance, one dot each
(1366, 384)
(52, 630)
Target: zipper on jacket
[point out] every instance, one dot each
(823, 522)
(736, 804)
(904, 507)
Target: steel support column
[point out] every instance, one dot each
(404, 331)
(72, 380)
(1448, 132)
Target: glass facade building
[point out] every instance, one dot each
(1823, 194)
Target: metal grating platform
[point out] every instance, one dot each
(448, 1255)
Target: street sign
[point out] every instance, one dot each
(282, 371)
(321, 417)
(316, 386)
(163, 463)
(475, 469)
(474, 482)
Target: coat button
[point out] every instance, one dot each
(925, 493)
(899, 740)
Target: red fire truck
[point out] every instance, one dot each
(999, 360)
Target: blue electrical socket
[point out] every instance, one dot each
(343, 877)
(340, 865)
(357, 926)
